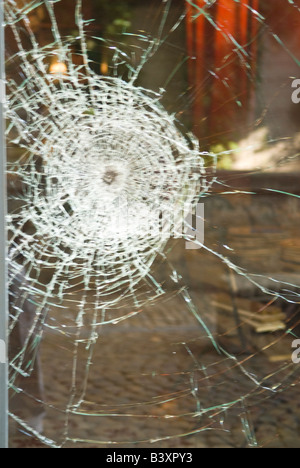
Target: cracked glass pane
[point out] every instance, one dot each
(153, 224)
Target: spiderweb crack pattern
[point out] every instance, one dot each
(110, 161)
(101, 162)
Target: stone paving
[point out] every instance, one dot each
(156, 380)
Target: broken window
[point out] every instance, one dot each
(118, 129)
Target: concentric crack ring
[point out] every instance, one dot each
(114, 178)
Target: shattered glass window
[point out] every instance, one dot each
(153, 223)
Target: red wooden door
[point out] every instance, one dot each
(222, 46)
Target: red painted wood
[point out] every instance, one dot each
(222, 46)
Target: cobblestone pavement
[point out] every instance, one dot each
(157, 379)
